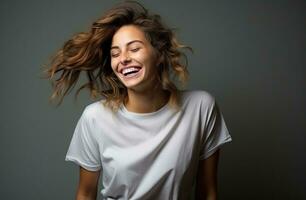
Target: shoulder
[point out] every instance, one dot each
(94, 109)
(196, 97)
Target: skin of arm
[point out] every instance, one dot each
(206, 187)
(88, 185)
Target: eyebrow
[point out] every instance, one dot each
(129, 43)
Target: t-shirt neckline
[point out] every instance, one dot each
(128, 113)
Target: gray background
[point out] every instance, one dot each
(249, 54)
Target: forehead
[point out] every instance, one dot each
(128, 33)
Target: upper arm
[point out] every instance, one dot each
(88, 183)
(207, 177)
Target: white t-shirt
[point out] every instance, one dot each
(148, 156)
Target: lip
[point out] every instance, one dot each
(121, 69)
(126, 78)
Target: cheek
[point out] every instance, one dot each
(146, 58)
(113, 64)
(150, 62)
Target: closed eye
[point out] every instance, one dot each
(115, 55)
(135, 49)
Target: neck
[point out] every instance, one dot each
(146, 101)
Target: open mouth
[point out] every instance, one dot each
(131, 71)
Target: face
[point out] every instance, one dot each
(133, 58)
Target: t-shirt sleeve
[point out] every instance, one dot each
(84, 149)
(215, 131)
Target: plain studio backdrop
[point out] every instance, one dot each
(249, 54)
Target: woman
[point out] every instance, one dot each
(147, 139)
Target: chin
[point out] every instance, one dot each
(133, 82)
(133, 85)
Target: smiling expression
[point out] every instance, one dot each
(133, 59)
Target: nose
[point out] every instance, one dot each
(125, 58)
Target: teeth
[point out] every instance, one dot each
(129, 70)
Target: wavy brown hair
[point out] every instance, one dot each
(89, 52)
